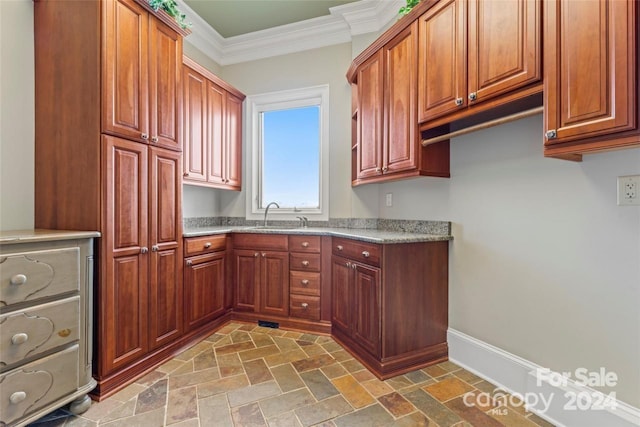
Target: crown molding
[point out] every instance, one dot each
(340, 26)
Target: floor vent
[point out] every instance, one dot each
(274, 325)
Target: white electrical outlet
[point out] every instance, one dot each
(389, 200)
(629, 190)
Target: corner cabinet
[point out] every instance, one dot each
(386, 143)
(212, 129)
(108, 158)
(591, 76)
(390, 303)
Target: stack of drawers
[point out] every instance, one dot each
(45, 323)
(304, 277)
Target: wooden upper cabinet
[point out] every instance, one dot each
(370, 107)
(213, 129)
(141, 76)
(591, 76)
(472, 51)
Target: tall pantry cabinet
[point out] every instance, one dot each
(108, 158)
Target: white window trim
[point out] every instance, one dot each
(256, 104)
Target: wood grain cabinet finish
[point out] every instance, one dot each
(46, 323)
(212, 129)
(472, 51)
(391, 312)
(387, 144)
(108, 158)
(305, 277)
(591, 76)
(143, 59)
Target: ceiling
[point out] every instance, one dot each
(235, 17)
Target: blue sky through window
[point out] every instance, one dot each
(291, 157)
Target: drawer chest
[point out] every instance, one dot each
(46, 280)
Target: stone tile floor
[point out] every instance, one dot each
(245, 375)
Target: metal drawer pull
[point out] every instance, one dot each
(305, 244)
(18, 279)
(264, 254)
(207, 245)
(154, 139)
(348, 264)
(17, 397)
(155, 248)
(459, 101)
(304, 282)
(20, 338)
(304, 305)
(189, 262)
(366, 254)
(144, 136)
(256, 254)
(340, 247)
(305, 263)
(144, 250)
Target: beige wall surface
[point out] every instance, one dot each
(17, 111)
(543, 264)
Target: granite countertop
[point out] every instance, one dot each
(365, 235)
(40, 235)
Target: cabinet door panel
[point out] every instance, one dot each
(195, 112)
(204, 289)
(274, 291)
(400, 56)
(164, 83)
(370, 99)
(247, 278)
(341, 294)
(442, 67)
(165, 293)
(504, 46)
(125, 70)
(165, 198)
(233, 146)
(366, 325)
(216, 102)
(590, 55)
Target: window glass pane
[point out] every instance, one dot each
(291, 157)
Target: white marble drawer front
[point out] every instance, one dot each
(28, 276)
(32, 331)
(33, 386)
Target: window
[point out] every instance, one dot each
(288, 161)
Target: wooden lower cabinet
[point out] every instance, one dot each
(390, 303)
(204, 288)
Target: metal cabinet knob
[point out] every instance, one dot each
(551, 134)
(305, 263)
(473, 96)
(264, 254)
(340, 247)
(348, 264)
(304, 282)
(144, 250)
(304, 305)
(155, 248)
(366, 254)
(378, 170)
(185, 174)
(154, 139)
(207, 245)
(305, 244)
(354, 266)
(255, 254)
(20, 338)
(17, 397)
(384, 169)
(144, 136)
(459, 101)
(18, 279)
(189, 262)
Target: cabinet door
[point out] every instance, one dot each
(504, 50)
(165, 97)
(165, 281)
(590, 59)
(123, 312)
(400, 56)
(366, 322)
(247, 279)
(233, 146)
(216, 103)
(204, 282)
(341, 294)
(370, 99)
(195, 126)
(274, 289)
(442, 67)
(125, 96)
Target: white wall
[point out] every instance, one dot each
(17, 111)
(544, 264)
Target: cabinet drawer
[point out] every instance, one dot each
(304, 262)
(368, 253)
(28, 276)
(37, 329)
(205, 244)
(305, 283)
(304, 244)
(35, 385)
(304, 306)
(277, 242)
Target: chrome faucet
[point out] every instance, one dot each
(266, 211)
(304, 221)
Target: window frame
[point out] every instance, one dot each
(281, 100)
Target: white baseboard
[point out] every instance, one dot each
(548, 399)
